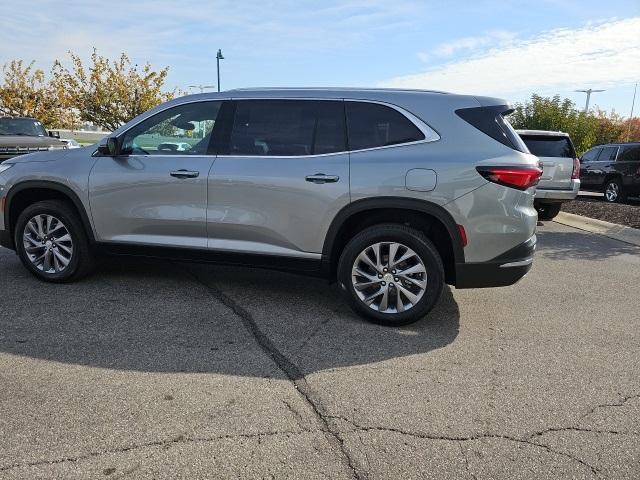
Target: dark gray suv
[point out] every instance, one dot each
(391, 192)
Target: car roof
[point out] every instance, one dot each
(549, 133)
(312, 90)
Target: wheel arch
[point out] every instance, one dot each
(431, 219)
(29, 192)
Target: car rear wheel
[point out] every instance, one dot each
(613, 191)
(51, 242)
(391, 274)
(548, 211)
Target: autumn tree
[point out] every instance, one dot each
(25, 92)
(586, 129)
(110, 93)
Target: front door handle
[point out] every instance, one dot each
(184, 174)
(322, 178)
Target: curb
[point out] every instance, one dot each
(611, 230)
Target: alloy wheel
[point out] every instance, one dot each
(389, 277)
(612, 191)
(48, 243)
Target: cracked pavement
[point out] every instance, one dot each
(165, 370)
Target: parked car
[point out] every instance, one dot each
(391, 192)
(71, 143)
(560, 180)
(22, 135)
(614, 169)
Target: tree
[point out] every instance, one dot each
(630, 130)
(110, 93)
(26, 93)
(586, 129)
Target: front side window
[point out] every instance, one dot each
(287, 128)
(630, 153)
(182, 130)
(372, 125)
(591, 155)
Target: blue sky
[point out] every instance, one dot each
(502, 48)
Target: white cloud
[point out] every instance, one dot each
(468, 45)
(595, 55)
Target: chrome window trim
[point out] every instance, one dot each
(430, 134)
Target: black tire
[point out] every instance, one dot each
(82, 259)
(548, 211)
(410, 238)
(614, 191)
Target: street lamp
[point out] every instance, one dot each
(201, 87)
(218, 58)
(589, 91)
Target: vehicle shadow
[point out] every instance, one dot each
(582, 246)
(167, 317)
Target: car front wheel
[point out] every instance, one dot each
(51, 242)
(391, 274)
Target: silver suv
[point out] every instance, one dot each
(390, 192)
(560, 180)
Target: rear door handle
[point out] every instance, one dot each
(184, 174)
(322, 178)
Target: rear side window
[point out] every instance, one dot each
(630, 153)
(287, 128)
(591, 155)
(608, 154)
(372, 125)
(549, 146)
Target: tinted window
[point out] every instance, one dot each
(287, 128)
(591, 155)
(630, 153)
(372, 125)
(549, 146)
(607, 154)
(182, 130)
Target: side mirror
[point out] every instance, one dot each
(54, 134)
(110, 148)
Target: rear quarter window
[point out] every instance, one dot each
(590, 155)
(629, 153)
(372, 125)
(549, 146)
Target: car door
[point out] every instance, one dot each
(586, 167)
(282, 178)
(155, 191)
(604, 164)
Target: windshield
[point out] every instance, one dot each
(549, 146)
(22, 126)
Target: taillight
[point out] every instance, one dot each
(514, 177)
(575, 175)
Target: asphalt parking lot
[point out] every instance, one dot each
(163, 370)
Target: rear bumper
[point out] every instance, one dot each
(558, 195)
(503, 270)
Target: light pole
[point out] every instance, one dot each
(218, 58)
(589, 91)
(201, 87)
(633, 104)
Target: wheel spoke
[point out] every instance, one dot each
(64, 261)
(373, 296)
(376, 251)
(393, 251)
(384, 303)
(416, 281)
(38, 220)
(47, 261)
(363, 257)
(399, 302)
(65, 238)
(417, 268)
(410, 295)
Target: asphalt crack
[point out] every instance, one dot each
(469, 438)
(291, 370)
(180, 439)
